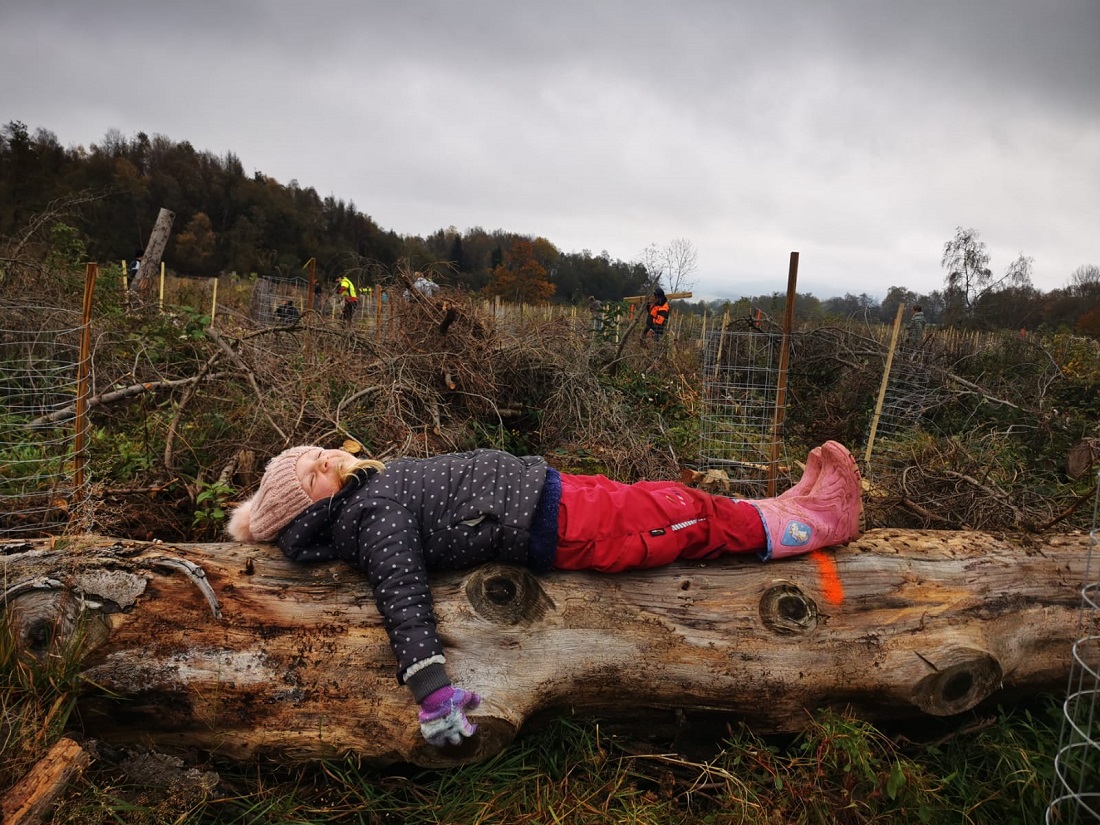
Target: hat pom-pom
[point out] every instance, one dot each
(240, 523)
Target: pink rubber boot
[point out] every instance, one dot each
(809, 475)
(822, 515)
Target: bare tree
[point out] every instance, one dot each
(969, 278)
(1085, 279)
(672, 265)
(1018, 274)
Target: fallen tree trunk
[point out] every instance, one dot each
(232, 649)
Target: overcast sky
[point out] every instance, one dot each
(860, 133)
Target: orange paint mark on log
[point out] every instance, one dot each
(830, 578)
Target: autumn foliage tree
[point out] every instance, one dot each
(520, 277)
(195, 245)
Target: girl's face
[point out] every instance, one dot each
(319, 473)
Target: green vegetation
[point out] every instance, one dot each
(211, 508)
(37, 694)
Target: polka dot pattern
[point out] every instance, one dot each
(450, 512)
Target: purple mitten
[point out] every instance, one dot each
(443, 715)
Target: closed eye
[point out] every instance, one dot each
(313, 474)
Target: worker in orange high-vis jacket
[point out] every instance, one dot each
(657, 320)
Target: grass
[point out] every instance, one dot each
(37, 695)
(839, 770)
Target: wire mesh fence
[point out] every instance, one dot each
(908, 393)
(39, 364)
(1075, 797)
(738, 435)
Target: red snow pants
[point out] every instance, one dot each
(609, 526)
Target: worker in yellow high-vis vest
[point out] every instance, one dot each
(351, 298)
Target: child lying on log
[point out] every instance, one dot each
(395, 522)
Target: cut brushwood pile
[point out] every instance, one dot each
(231, 649)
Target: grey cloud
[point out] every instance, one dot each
(860, 133)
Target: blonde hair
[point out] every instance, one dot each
(349, 470)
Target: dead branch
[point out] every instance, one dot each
(1088, 496)
(997, 495)
(111, 396)
(29, 802)
(55, 210)
(236, 359)
(931, 517)
(976, 390)
(170, 438)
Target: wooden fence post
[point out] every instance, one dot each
(882, 385)
(781, 381)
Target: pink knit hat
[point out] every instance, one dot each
(280, 498)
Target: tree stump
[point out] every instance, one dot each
(232, 649)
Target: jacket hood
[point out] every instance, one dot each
(311, 530)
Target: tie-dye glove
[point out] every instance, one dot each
(443, 715)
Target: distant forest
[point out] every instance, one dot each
(227, 221)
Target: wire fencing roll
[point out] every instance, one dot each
(39, 367)
(1075, 796)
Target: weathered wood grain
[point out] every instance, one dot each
(231, 648)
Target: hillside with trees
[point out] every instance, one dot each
(228, 221)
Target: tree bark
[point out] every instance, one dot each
(232, 649)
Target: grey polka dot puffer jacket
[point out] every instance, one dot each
(449, 512)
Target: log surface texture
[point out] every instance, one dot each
(232, 649)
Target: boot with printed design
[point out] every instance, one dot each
(823, 512)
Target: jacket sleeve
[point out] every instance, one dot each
(391, 554)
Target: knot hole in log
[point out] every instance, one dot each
(507, 595)
(53, 623)
(786, 610)
(960, 679)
